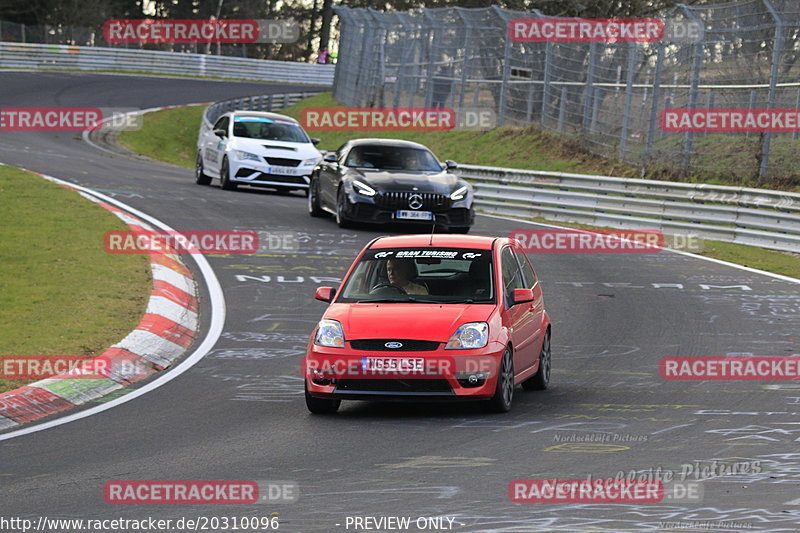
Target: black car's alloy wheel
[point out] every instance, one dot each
(314, 208)
(341, 207)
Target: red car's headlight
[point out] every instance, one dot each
(329, 333)
(468, 336)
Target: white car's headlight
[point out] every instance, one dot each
(468, 336)
(329, 333)
(311, 162)
(459, 193)
(363, 188)
(246, 156)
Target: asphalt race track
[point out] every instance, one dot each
(239, 414)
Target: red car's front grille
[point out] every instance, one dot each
(380, 345)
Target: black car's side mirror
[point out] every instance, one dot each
(221, 133)
(315, 140)
(329, 158)
(450, 164)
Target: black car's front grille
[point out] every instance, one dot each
(394, 385)
(379, 345)
(282, 161)
(422, 201)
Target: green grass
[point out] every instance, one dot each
(60, 292)
(171, 136)
(168, 135)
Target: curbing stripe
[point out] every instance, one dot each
(29, 403)
(151, 347)
(79, 391)
(169, 261)
(177, 313)
(6, 422)
(179, 281)
(165, 290)
(167, 329)
(125, 367)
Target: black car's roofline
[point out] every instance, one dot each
(388, 142)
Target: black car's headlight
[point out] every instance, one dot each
(363, 189)
(460, 193)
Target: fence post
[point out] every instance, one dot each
(796, 106)
(432, 53)
(751, 106)
(548, 51)
(503, 97)
(697, 60)
(651, 130)
(562, 108)
(777, 50)
(588, 93)
(626, 112)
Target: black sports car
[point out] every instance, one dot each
(388, 180)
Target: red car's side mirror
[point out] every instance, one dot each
(325, 294)
(522, 295)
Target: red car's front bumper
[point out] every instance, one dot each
(345, 373)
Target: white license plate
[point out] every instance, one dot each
(285, 171)
(394, 364)
(414, 215)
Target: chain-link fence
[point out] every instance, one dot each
(606, 96)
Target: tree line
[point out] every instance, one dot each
(314, 16)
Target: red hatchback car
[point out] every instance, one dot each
(421, 317)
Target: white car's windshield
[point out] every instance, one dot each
(411, 275)
(268, 129)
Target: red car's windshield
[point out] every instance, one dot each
(409, 275)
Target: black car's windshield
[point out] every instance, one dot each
(392, 158)
(268, 130)
(421, 275)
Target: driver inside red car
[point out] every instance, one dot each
(400, 272)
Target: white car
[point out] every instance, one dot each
(255, 148)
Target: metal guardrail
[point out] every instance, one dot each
(266, 102)
(757, 217)
(45, 56)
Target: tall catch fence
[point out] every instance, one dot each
(605, 96)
